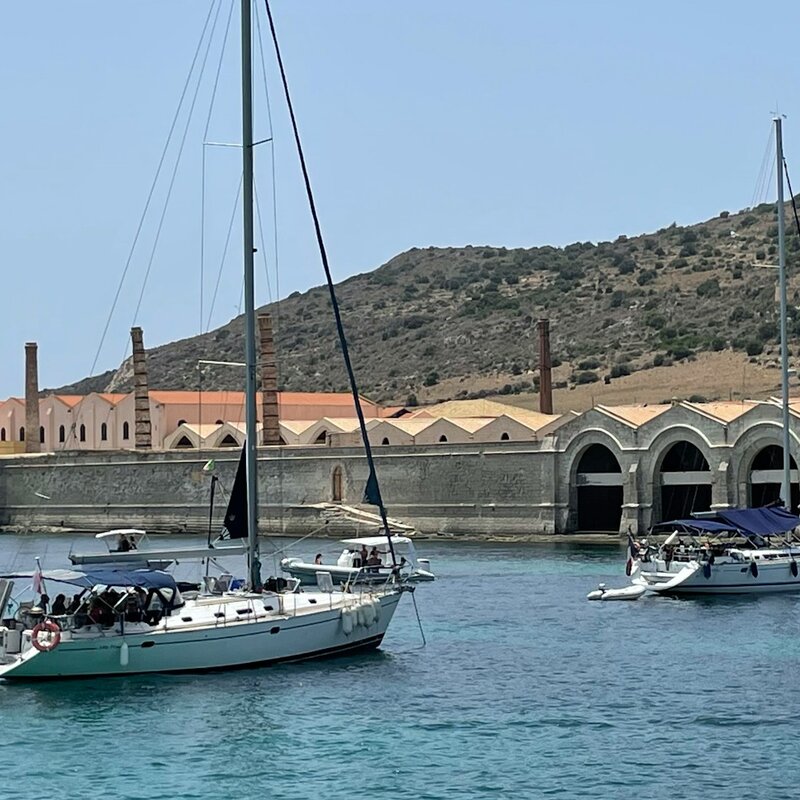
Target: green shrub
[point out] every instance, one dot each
(708, 288)
(588, 363)
(754, 347)
(586, 377)
(620, 370)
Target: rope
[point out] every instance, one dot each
(373, 492)
(416, 611)
(791, 195)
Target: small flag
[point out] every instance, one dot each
(38, 580)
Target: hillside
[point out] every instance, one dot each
(441, 323)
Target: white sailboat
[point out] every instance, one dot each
(126, 621)
(733, 551)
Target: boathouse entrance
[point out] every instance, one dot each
(766, 474)
(685, 479)
(598, 486)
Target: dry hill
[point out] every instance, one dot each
(439, 323)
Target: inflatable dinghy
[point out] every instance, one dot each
(632, 592)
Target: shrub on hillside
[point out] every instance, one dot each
(753, 347)
(708, 288)
(585, 377)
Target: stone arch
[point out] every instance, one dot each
(228, 441)
(184, 443)
(682, 477)
(747, 448)
(596, 486)
(337, 484)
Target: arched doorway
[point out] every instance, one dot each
(598, 485)
(336, 485)
(766, 474)
(685, 480)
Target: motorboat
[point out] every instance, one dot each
(728, 551)
(353, 564)
(133, 548)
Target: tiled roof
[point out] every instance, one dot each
(634, 414)
(469, 408)
(724, 411)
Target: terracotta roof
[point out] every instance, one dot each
(406, 424)
(469, 408)
(724, 411)
(70, 400)
(289, 398)
(112, 397)
(634, 415)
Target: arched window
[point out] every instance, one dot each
(82, 433)
(385, 440)
(41, 434)
(181, 422)
(22, 434)
(62, 434)
(2, 434)
(184, 442)
(103, 432)
(322, 438)
(219, 422)
(126, 430)
(229, 441)
(442, 438)
(504, 437)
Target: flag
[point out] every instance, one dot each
(38, 580)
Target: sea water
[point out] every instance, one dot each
(524, 690)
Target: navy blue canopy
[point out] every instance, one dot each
(766, 521)
(143, 578)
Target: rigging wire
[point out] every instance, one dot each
(765, 172)
(373, 493)
(203, 165)
(224, 252)
(152, 189)
(791, 195)
(175, 170)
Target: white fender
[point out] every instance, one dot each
(376, 604)
(360, 615)
(369, 613)
(347, 621)
(123, 654)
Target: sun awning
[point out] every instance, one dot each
(143, 578)
(767, 521)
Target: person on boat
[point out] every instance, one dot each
(59, 606)
(123, 545)
(364, 556)
(75, 603)
(374, 560)
(318, 558)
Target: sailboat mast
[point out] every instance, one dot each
(786, 485)
(254, 568)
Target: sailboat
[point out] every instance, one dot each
(732, 551)
(123, 621)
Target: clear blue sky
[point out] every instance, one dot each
(453, 122)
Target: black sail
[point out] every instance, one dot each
(236, 515)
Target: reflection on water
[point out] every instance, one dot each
(524, 690)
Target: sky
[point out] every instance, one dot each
(514, 123)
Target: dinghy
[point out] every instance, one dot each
(632, 592)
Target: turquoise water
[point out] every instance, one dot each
(523, 690)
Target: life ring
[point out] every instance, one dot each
(52, 639)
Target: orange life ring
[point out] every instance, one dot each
(53, 636)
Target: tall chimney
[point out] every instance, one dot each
(32, 444)
(545, 369)
(143, 438)
(270, 429)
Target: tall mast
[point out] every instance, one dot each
(254, 567)
(786, 484)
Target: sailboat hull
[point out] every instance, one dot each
(270, 639)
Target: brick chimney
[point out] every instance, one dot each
(270, 429)
(32, 444)
(141, 396)
(545, 369)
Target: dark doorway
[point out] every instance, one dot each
(766, 475)
(598, 483)
(685, 479)
(336, 485)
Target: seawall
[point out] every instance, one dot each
(472, 490)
